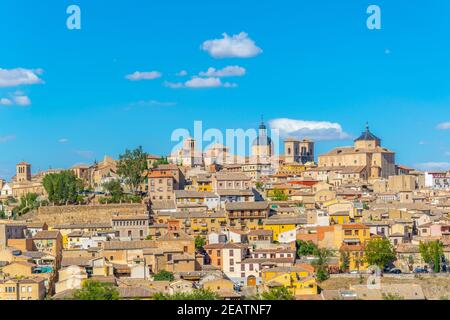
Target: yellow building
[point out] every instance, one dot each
(339, 217)
(200, 222)
(202, 183)
(355, 233)
(32, 288)
(354, 254)
(278, 226)
(298, 280)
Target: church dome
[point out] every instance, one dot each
(367, 136)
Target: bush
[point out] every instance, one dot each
(163, 275)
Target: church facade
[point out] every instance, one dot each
(379, 162)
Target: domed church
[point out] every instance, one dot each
(366, 155)
(262, 147)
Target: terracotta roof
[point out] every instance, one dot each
(355, 226)
(257, 205)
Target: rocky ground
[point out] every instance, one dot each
(434, 288)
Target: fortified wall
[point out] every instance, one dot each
(101, 213)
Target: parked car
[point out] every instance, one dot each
(420, 270)
(395, 271)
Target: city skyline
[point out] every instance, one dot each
(131, 77)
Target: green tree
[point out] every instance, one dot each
(163, 160)
(279, 195)
(196, 294)
(27, 203)
(62, 188)
(277, 293)
(199, 242)
(432, 252)
(320, 264)
(95, 290)
(306, 248)
(379, 252)
(132, 167)
(114, 188)
(163, 275)
(392, 296)
(345, 261)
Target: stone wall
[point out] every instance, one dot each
(100, 213)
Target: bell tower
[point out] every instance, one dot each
(23, 172)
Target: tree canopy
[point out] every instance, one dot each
(114, 188)
(379, 252)
(196, 294)
(306, 248)
(132, 167)
(199, 241)
(432, 252)
(163, 275)
(95, 290)
(62, 188)
(321, 263)
(279, 195)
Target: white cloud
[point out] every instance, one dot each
(5, 102)
(197, 83)
(230, 71)
(316, 130)
(152, 103)
(22, 100)
(182, 73)
(7, 138)
(443, 126)
(236, 46)
(150, 75)
(19, 76)
(63, 140)
(434, 166)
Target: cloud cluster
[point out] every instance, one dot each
(236, 46)
(198, 83)
(316, 130)
(147, 75)
(230, 71)
(19, 76)
(182, 73)
(18, 98)
(443, 126)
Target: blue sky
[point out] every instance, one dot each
(314, 61)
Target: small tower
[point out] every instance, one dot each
(262, 147)
(23, 172)
(306, 151)
(298, 151)
(291, 150)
